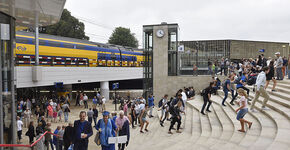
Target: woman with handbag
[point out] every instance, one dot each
(30, 133)
(107, 128)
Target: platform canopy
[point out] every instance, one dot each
(48, 12)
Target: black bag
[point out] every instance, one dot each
(252, 80)
(160, 103)
(202, 92)
(237, 81)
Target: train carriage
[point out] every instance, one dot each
(62, 51)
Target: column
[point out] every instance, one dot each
(105, 89)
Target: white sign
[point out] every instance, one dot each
(5, 34)
(181, 48)
(118, 139)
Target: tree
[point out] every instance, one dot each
(68, 26)
(123, 36)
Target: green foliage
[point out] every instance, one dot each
(68, 26)
(123, 36)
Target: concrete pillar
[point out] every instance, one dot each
(105, 89)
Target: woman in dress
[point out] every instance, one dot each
(270, 76)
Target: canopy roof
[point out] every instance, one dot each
(26, 11)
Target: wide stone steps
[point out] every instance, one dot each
(218, 129)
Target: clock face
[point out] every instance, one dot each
(160, 33)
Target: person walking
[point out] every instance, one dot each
(90, 114)
(226, 89)
(27, 115)
(270, 76)
(68, 136)
(83, 130)
(260, 83)
(19, 129)
(241, 84)
(123, 123)
(151, 105)
(206, 94)
(163, 108)
(55, 137)
(103, 103)
(107, 128)
(95, 101)
(60, 138)
(48, 140)
(243, 110)
(279, 65)
(78, 99)
(85, 99)
(143, 119)
(30, 133)
(66, 111)
(96, 113)
(176, 117)
(133, 115)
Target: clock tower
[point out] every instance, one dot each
(160, 53)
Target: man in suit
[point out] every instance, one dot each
(83, 130)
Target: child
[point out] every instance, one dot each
(54, 116)
(243, 109)
(59, 112)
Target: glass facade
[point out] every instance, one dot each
(148, 62)
(172, 51)
(7, 88)
(200, 52)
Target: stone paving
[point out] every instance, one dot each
(216, 130)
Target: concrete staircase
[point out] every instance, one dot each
(218, 129)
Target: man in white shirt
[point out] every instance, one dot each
(184, 99)
(103, 103)
(86, 101)
(260, 83)
(19, 128)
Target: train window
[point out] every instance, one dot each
(54, 44)
(42, 42)
(81, 46)
(68, 45)
(22, 40)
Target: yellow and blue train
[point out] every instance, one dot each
(63, 51)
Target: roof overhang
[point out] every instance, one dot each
(26, 12)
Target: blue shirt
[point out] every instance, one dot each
(80, 129)
(228, 82)
(95, 100)
(150, 101)
(240, 84)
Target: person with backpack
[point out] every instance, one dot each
(206, 94)
(241, 83)
(176, 117)
(162, 104)
(226, 88)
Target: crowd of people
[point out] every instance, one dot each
(135, 112)
(249, 72)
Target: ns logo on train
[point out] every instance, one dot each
(21, 48)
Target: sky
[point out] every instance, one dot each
(262, 20)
